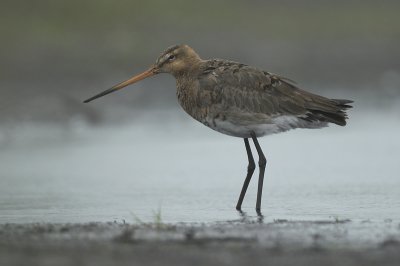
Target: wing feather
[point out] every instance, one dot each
(239, 88)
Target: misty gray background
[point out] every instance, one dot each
(136, 150)
(56, 53)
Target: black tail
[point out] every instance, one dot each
(329, 110)
(344, 104)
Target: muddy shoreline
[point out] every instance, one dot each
(229, 243)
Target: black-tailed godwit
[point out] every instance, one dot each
(241, 101)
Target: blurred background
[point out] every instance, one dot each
(54, 54)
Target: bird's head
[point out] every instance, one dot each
(176, 60)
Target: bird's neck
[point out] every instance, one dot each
(191, 70)
(189, 76)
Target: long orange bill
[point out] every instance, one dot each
(148, 73)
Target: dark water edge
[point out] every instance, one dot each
(282, 242)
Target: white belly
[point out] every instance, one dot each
(276, 125)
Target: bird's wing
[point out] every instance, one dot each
(241, 88)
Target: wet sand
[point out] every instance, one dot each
(242, 242)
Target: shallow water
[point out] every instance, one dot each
(169, 164)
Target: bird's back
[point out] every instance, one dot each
(235, 99)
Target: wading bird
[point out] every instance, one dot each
(241, 101)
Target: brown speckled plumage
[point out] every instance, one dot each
(241, 101)
(244, 95)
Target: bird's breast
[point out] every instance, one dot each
(195, 100)
(204, 105)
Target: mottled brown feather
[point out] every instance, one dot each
(236, 87)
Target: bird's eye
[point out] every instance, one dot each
(171, 57)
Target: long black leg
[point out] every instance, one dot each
(262, 162)
(250, 170)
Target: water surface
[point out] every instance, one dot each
(170, 164)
